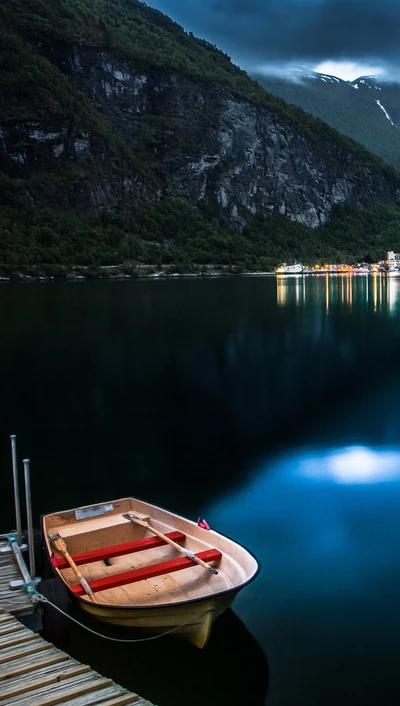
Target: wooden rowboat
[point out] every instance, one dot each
(138, 580)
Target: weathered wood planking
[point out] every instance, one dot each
(16, 602)
(35, 673)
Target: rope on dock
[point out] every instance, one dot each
(11, 537)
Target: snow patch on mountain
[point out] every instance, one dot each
(327, 78)
(384, 110)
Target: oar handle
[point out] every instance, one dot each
(195, 558)
(60, 544)
(137, 520)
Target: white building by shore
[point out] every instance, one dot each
(392, 257)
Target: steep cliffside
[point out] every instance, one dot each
(200, 141)
(91, 121)
(206, 143)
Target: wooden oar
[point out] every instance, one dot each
(138, 521)
(60, 544)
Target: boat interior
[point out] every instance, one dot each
(125, 564)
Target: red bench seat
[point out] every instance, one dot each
(118, 550)
(146, 572)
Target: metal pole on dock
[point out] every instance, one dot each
(16, 488)
(21, 562)
(31, 541)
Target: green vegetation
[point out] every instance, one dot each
(175, 236)
(42, 235)
(33, 89)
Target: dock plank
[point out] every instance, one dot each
(16, 627)
(35, 673)
(18, 640)
(9, 653)
(126, 700)
(106, 696)
(64, 693)
(32, 666)
(43, 678)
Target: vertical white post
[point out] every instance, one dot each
(31, 541)
(16, 488)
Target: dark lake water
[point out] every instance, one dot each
(270, 407)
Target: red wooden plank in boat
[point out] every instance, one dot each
(118, 550)
(146, 572)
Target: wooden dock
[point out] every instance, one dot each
(35, 673)
(16, 602)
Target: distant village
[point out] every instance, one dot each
(390, 265)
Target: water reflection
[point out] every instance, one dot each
(232, 669)
(356, 464)
(169, 391)
(136, 382)
(290, 289)
(325, 527)
(379, 292)
(392, 293)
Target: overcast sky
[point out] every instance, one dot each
(360, 37)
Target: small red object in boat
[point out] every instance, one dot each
(53, 560)
(203, 523)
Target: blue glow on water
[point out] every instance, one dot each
(325, 526)
(352, 464)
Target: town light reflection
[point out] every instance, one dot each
(351, 465)
(378, 292)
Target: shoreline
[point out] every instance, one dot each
(22, 278)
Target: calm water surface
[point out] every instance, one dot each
(271, 407)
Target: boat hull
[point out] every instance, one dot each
(189, 621)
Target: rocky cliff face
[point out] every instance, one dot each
(198, 140)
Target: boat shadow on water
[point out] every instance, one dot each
(231, 670)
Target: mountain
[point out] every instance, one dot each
(123, 139)
(367, 110)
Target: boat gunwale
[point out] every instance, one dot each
(109, 606)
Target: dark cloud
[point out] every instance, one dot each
(239, 7)
(269, 31)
